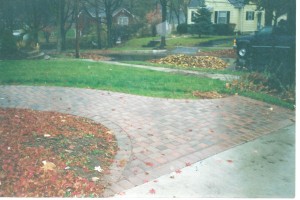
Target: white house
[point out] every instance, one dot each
(245, 17)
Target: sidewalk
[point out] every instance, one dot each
(263, 168)
(223, 77)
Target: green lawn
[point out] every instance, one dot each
(106, 77)
(172, 42)
(85, 74)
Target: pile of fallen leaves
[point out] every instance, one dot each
(47, 154)
(223, 53)
(192, 61)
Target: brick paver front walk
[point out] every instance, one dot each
(156, 136)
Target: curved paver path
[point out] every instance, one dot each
(156, 135)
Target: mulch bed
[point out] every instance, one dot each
(48, 154)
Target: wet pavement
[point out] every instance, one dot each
(223, 77)
(157, 136)
(263, 168)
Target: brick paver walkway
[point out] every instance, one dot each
(156, 136)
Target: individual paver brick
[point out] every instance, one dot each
(126, 184)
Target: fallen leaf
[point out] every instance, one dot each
(227, 85)
(178, 171)
(98, 168)
(122, 163)
(48, 166)
(149, 164)
(47, 135)
(95, 179)
(152, 191)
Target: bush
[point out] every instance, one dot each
(223, 29)
(199, 29)
(182, 28)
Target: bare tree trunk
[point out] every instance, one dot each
(98, 22)
(77, 29)
(59, 25)
(110, 7)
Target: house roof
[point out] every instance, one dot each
(195, 3)
(123, 10)
(101, 12)
(235, 3)
(92, 12)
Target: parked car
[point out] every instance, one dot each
(263, 45)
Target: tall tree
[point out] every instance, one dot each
(77, 29)
(65, 18)
(184, 6)
(97, 6)
(153, 18)
(37, 16)
(110, 6)
(177, 7)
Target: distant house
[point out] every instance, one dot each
(245, 17)
(123, 17)
(120, 16)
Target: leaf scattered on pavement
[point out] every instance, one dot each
(149, 164)
(152, 191)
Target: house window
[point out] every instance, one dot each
(222, 17)
(123, 21)
(250, 15)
